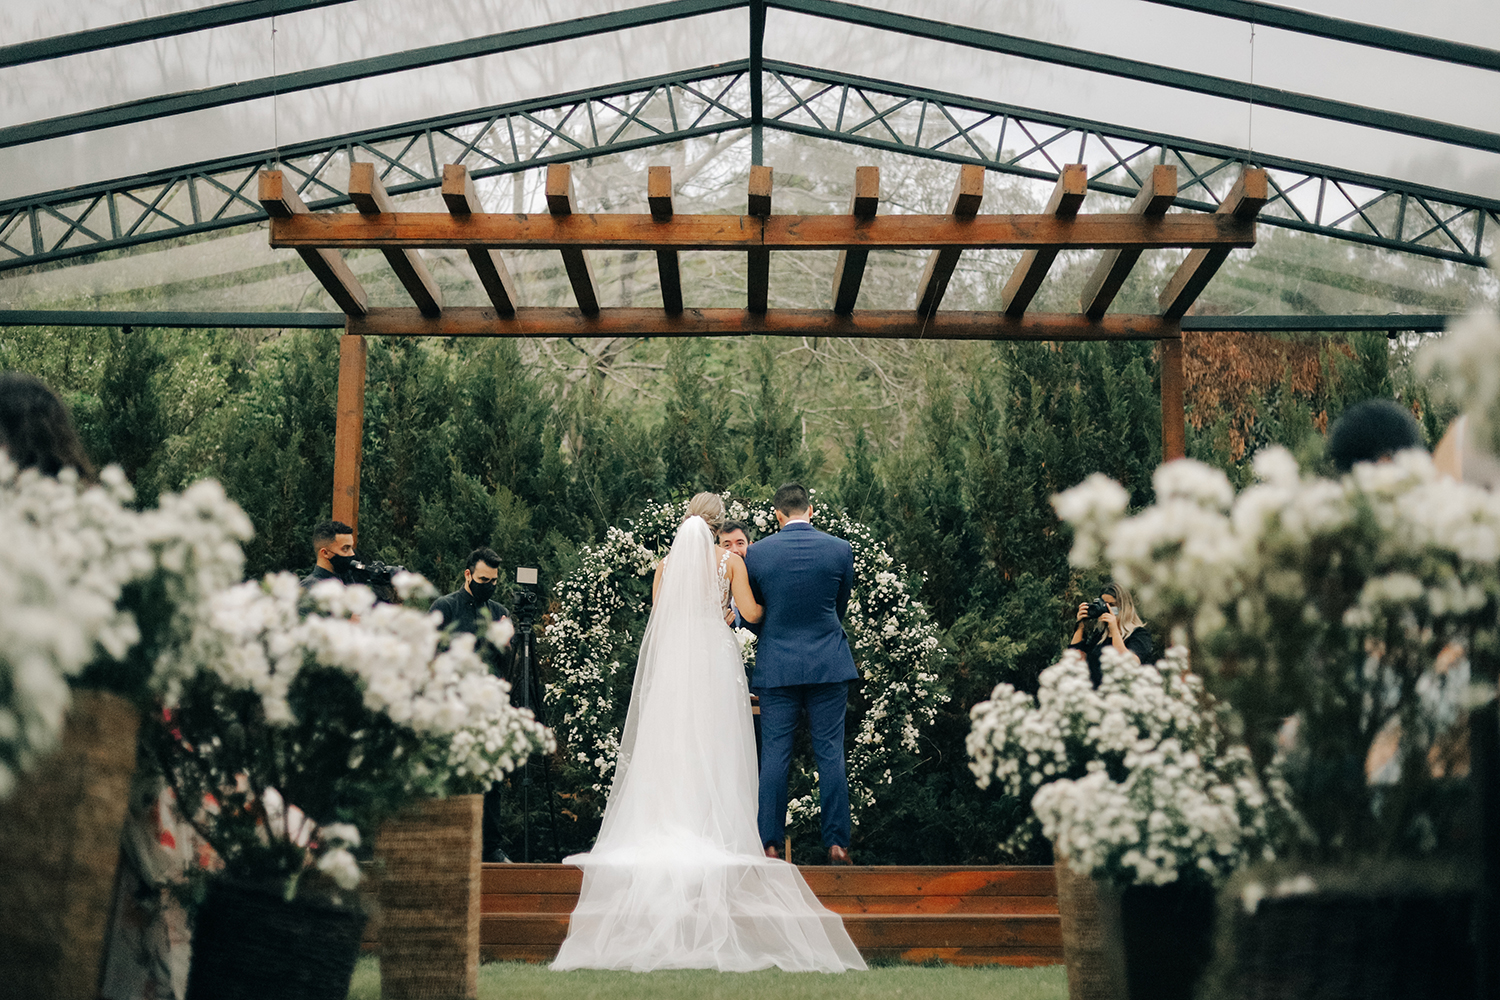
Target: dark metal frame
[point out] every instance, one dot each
(1351, 323)
(1347, 205)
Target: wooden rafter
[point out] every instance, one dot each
(946, 233)
(1026, 280)
(758, 277)
(463, 204)
(668, 263)
(280, 201)
(850, 272)
(1156, 196)
(872, 323)
(575, 260)
(1243, 203)
(963, 207)
(369, 197)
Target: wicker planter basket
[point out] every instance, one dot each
(1091, 940)
(249, 943)
(1393, 930)
(429, 900)
(59, 846)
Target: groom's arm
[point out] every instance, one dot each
(846, 585)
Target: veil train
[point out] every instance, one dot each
(677, 878)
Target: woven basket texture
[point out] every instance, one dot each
(429, 900)
(59, 845)
(1091, 940)
(249, 943)
(1331, 947)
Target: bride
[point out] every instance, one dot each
(677, 878)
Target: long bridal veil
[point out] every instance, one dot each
(677, 878)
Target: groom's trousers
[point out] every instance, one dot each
(781, 708)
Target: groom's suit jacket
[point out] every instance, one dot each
(802, 576)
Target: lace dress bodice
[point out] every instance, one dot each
(724, 580)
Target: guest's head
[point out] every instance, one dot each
(1371, 432)
(710, 507)
(735, 536)
(1117, 596)
(35, 428)
(792, 503)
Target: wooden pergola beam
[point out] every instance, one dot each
(758, 276)
(850, 271)
(370, 198)
(457, 321)
(560, 204)
(963, 208)
(463, 204)
(1243, 203)
(668, 264)
(1155, 197)
(1026, 280)
(349, 428)
(946, 233)
(280, 201)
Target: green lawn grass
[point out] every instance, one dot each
(536, 982)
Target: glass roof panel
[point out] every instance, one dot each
(1216, 46)
(1287, 273)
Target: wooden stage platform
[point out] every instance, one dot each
(965, 916)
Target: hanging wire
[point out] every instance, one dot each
(275, 109)
(1250, 122)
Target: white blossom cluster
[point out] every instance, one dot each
(894, 642)
(1132, 780)
(69, 553)
(1248, 568)
(1464, 357)
(255, 638)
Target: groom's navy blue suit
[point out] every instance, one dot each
(802, 577)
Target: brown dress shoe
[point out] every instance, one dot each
(772, 852)
(839, 855)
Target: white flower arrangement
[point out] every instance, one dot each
(1133, 781)
(95, 594)
(336, 704)
(1329, 600)
(597, 617)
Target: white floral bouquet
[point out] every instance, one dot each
(95, 594)
(333, 705)
(1319, 608)
(1134, 781)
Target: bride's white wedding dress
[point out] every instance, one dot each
(677, 878)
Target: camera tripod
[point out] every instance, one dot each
(527, 693)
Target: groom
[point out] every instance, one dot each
(802, 577)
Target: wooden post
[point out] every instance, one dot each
(758, 274)
(1173, 418)
(659, 197)
(349, 430)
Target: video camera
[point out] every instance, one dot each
(373, 573)
(525, 601)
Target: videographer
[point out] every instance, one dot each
(461, 609)
(333, 545)
(1122, 629)
(464, 610)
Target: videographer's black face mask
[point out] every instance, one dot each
(482, 591)
(341, 564)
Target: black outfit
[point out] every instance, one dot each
(318, 575)
(461, 610)
(1137, 642)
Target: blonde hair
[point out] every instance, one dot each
(710, 507)
(1130, 619)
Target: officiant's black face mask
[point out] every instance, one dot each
(482, 591)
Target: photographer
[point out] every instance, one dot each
(1122, 629)
(333, 544)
